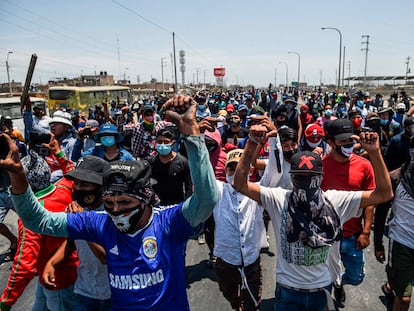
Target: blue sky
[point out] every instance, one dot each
(248, 38)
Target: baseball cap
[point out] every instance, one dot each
(314, 130)
(401, 106)
(353, 112)
(340, 129)
(147, 108)
(92, 123)
(242, 107)
(230, 108)
(234, 156)
(257, 110)
(306, 162)
(89, 169)
(372, 116)
(132, 177)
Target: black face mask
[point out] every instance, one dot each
(280, 123)
(86, 198)
(287, 155)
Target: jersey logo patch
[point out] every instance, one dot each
(114, 250)
(150, 247)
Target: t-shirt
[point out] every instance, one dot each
(353, 175)
(146, 269)
(173, 179)
(299, 265)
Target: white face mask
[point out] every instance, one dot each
(230, 179)
(313, 145)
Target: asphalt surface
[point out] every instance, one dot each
(203, 291)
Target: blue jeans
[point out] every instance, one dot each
(353, 261)
(292, 300)
(83, 303)
(52, 300)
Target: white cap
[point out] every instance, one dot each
(61, 117)
(401, 106)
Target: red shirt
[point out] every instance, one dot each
(353, 175)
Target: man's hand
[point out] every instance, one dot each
(369, 141)
(380, 255)
(53, 145)
(11, 161)
(271, 128)
(208, 123)
(49, 275)
(258, 133)
(363, 241)
(181, 110)
(73, 207)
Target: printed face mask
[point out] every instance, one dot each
(313, 145)
(127, 220)
(86, 198)
(108, 141)
(345, 150)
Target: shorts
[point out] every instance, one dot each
(6, 204)
(400, 268)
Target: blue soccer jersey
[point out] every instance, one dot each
(146, 269)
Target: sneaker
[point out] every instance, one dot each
(340, 296)
(201, 239)
(389, 296)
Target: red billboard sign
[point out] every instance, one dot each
(219, 72)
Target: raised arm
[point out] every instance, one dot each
(383, 191)
(257, 135)
(181, 110)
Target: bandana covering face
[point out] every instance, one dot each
(312, 220)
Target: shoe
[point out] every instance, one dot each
(9, 255)
(201, 239)
(389, 296)
(340, 296)
(211, 261)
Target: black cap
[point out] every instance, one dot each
(89, 169)
(306, 162)
(128, 176)
(339, 129)
(147, 108)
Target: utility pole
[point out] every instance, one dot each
(366, 43)
(348, 66)
(8, 74)
(407, 71)
(198, 71)
(175, 66)
(275, 78)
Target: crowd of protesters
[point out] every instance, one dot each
(220, 166)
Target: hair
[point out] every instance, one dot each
(288, 133)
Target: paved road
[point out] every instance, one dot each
(203, 292)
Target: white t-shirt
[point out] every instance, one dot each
(298, 265)
(402, 225)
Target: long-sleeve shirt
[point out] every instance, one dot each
(34, 250)
(146, 269)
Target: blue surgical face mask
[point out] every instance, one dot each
(163, 149)
(108, 141)
(384, 121)
(201, 107)
(328, 112)
(360, 103)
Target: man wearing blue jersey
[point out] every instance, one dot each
(144, 243)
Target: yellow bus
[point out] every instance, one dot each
(84, 97)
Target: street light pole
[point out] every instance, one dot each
(287, 68)
(340, 53)
(8, 74)
(298, 66)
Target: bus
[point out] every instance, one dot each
(82, 98)
(10, 106)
